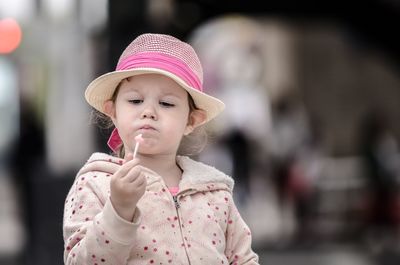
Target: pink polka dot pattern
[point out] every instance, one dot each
(206, 228)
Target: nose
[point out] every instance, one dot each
(149, 113)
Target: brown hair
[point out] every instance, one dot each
(190, 145)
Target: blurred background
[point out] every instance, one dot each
(310, 134)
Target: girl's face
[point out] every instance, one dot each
(156, 107)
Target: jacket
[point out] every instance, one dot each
(200, 225)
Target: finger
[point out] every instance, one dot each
(101, 166)
(128, 157)
(134, 174)
(138, 181)
(125, 168)
(141, 180)
(131, 175)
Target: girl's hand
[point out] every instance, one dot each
(102, 166)
(127, 186)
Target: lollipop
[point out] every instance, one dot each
(138, 139)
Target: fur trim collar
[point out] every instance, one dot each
(196, 175)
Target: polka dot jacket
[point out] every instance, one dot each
(200, 225)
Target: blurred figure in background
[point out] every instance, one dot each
(27, 158)
(235, 65)
(379, 150)
(12, 213)
(290, 147)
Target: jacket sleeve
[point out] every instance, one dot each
(238, 238)
(93, 231)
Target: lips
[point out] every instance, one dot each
(146, 127)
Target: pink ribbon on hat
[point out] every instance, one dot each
(159, 61)
(164, 62)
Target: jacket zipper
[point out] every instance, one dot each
(176, 203)
(177, 206)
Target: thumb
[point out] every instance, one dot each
(128, 157)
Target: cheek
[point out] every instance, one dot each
(185, 124)
(123, 110)
(123, 119)
(177, 123)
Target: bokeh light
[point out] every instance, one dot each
(10, 35)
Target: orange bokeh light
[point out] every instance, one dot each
(10, 35)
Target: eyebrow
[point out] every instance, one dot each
(166, 94)
(135, 88)
(171, 95)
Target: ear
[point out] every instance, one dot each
(196, 118)
(109, 109)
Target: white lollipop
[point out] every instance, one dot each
(138, 139)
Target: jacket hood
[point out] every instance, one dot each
(196, 176)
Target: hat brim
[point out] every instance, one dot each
(102, 88)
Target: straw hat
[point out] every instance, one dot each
(160, 54)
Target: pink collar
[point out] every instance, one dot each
(173, 190)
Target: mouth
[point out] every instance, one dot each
(146, 127)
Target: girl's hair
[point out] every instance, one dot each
(190, 145)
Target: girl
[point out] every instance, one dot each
(157, 207)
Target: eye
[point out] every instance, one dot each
(135, 101)
(166, 104)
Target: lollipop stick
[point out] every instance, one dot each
(138, 139)
(136, 148)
